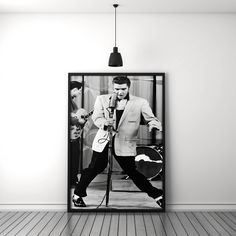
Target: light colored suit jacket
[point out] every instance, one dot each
(128, 127)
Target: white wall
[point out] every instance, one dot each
(198, 53)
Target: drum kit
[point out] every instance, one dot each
(149, 161)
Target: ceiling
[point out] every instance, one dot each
(126, 6)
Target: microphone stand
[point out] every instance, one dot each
(110, 160)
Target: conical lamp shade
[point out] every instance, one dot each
(115, 58)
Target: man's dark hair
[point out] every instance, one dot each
(121, 80)
(75, 84)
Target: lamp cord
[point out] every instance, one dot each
(115, 26)
(115, 6)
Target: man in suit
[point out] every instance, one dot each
(125, 122)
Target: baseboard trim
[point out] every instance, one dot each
(169, 207)
(33, 207)
(201, 207)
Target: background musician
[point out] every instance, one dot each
(77, 121)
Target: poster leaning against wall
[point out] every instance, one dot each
(116, 142)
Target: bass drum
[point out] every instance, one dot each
(149, 161)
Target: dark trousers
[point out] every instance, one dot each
(127, 163)
(74, 161)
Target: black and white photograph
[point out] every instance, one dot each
(116, 142)
(118, 118)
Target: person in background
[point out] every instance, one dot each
(77, 122)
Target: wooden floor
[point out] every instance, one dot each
(118, 224)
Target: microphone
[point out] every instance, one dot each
(112, 102)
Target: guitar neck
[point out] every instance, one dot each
(88, 115)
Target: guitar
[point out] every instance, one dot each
(78, 119)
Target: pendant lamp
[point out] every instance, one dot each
(115, 59)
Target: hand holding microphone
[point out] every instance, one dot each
(109, 122)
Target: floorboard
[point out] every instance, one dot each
(47, 230)
(60, 225)
(6, 217)
(233, 213)
(139, 224)
(114, 224)
(228, 219)
(186, 223)
(130, 225)
(150, 230)
(89, 225)
(41, 224)
(215, 224)
(34, 222)
(158, 226)
(80, 224)
(12, 222)
(196, 224)
(97, 225)
(224, 223)
(71, 224)
(106, 225)
(118, 224)
(21, 224)
(122, 227)
(205, 223)
(231, 216)
(179, 229)
(168, 226)
(3, 214)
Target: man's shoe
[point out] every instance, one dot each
(125, 177)
(78, 202)
(160, 202)
(159, 199)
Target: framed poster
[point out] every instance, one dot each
(116, 142)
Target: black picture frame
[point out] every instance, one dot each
(158, 144)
